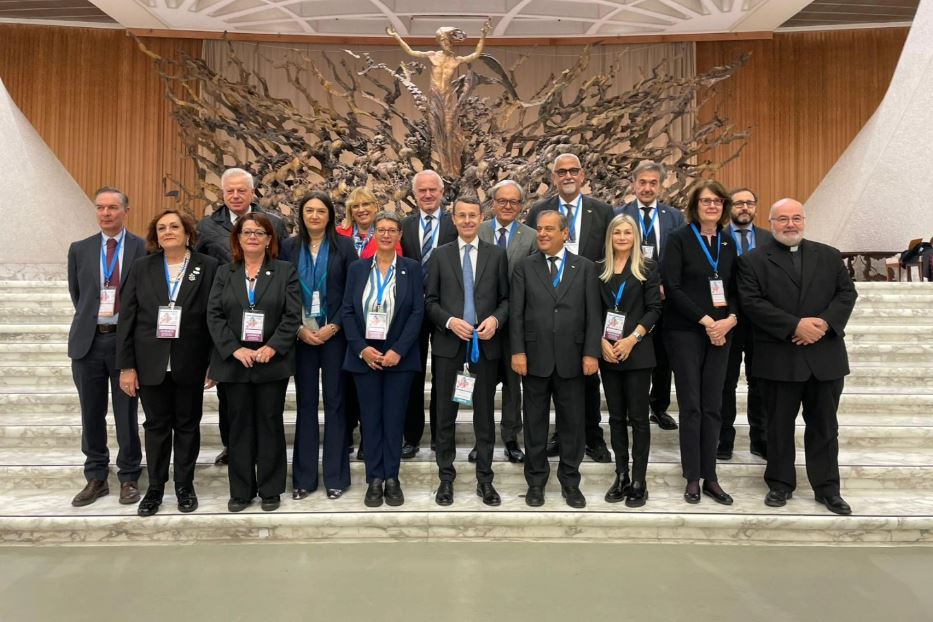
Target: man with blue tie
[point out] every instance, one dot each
(422, 232)
(747, 237)
(656, 220)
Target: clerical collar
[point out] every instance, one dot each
(789, 249)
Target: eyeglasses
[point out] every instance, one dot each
(744, 203)
(392, 231)
(509, 202)
(708, 201)
(357, 205)
(253, 233)
(573, 172)
(783, 220)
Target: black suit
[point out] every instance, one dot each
(775, 296)
(173, 400)
(444, 300)
(93, 363)
(555, 328)
(411, 247)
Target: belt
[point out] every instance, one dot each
(106, 328)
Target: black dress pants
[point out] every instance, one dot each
(757, 430)
(569, 407)
(258, 463)
(173, 420)
(510, 425)
(223, 420)
(414, 417)
(627, 393)
(660, 398)
(592, 404)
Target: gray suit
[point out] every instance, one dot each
(522, 242)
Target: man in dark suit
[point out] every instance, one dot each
(422, 232)
(588, 219)
(555, 330)
(656, 220)
(799, 296)
(214, 240)
(97, 268)
(467, 303)
(747, 237)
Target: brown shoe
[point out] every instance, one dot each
(95, 489)
(129, 493)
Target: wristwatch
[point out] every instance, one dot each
(638, 336)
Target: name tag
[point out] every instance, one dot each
(647, 250)
(613, 326)
(108, 300)
(252, 326)
(377, 325)
(463, 389)
(169, 324)
(573, 247)
(717, 292)
(315, 309)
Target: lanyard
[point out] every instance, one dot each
(738, 241)
(560, 271)
(573, 221)
(473, 350)
(619, 294)
(173, 285)
(511, 230)
(381, 286)
(646, 234)
(713, 264)
(251, 291)
(108, 270)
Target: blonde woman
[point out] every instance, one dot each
(359, 223)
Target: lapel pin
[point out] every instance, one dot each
(191, 277)
(268, 273)
(402, 272)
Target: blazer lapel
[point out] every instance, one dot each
(188, 284)
(156, 274)
(401, 290)
(585, 222)
(238, 282)
(782, 260)
(266, 274)
(808, 268)
(571, 263)
(456, 266)
(482, 260)
(544, 273)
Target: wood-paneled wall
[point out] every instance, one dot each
(805, 95)
(98, 103)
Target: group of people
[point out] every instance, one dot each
(578, 292)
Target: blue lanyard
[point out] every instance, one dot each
(641, 225)
(108, 270)
(738, 241)
(619, 294)
(713, 264)
(573, 222)
(173, 288)
(473, 350)
(251, 291)
(381, 287)
(560, 271)
(511, 232)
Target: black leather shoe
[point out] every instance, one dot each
(409, 451)
(619, 489)
(514, 453)
(599, 453)
(300, 493)
(535, 496)
(574, 497)
(150, 503)
(637, 495)
(471, 457)
(488, 493)
(692, 493)
(835, 504)
(445, 493)
(270, 504)
(715, 491)
(664, 421)
(334, 493)
(187, 500)
(394, 496)
(723, 454)
(236, 504)
(222, 458)
(777, 498)
(553, 446)
(374, 494)
(761, 452)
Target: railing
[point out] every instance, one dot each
(877, 266)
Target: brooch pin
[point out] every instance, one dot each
(268, 273)
(192, 277)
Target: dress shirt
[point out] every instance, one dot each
(103, 242)
(435, 226)
(370, 292)
(576, 204)
(656, 232)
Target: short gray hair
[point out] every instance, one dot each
(566, 155)
(649, 166)
(427, 171)
(505, 183)
(230, 173)
(387, 215)
(124, 200)
(553, 212)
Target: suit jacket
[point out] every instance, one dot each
(339, 258)
(522, 243)
(669, 219)
(593, 224)
(214, 232)
(405, 326)
(555, 327)
(641, 304)
(774, 298)
(411, 225)
(762, 237)
(84, 286)
(444, 297)
(278, 297)
(145, 291)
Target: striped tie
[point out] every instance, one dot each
(428, 245)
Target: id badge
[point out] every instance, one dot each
(377, 325)
(252, 326)
(315, 304)
(613, 326)
(169, 324)
(463, 389)
(647, 250)
(108, 300)
(573, 247)
(718, 292)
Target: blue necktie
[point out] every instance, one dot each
(428, 245)
(503, 238)
(570, 222)
(469, 305)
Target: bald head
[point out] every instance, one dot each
(787, 221)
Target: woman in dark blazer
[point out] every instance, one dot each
(163, 353)
(630, 287)
(698, 271)
(383, 306)
(253, 314)
(321, 258)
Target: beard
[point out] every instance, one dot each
(743, 219)
(788, 239)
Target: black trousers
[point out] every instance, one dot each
(351, 408)
(414, 417)
(699, 374)
(757, 426)
(510, 426)
(820, 400)
(592, 405)
(173, 420)
(660, 398)
(627, 399)
(484, 425)
(223, 420)
(92, 374)
(257, 438)
(382, 420)
(569, 407)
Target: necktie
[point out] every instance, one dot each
(553, 261)
(744, 233)
(427, 246)
(503, 241)
(570, 222)
(646, 222)
(115, 277)
(469, 305)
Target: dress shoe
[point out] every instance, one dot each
(445, 493)
(235, 504)
(374, 494)
(300, 493)
(93, 490)
(599, 453)
(723, 454)
(409, 451)
(715, 491)
(394, 496)
(574, 497)
(692, 493)
(761, 452)
(471, 457)
(514, 453)
(129, 493)
(835, 504)
(777, 498)
(187, 500)
(270, 504)
(619, 489)
(535, 496)
(150, 503)
(359, 453)
(553, 446)
(222, 458)
(488, 493)
(664, 421)
(637, 495)
(334, 493)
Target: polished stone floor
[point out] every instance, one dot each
(465, 581)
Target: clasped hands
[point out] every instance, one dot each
(717, 330)
(618, 351)
(809, 331)
(377, 360)
(462, 329)
(520, 365)
(317, 337)
(248, 356)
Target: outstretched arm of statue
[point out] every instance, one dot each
(405, 47)
(479, 46)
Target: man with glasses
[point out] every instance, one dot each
(747, 237)
(798, 295)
